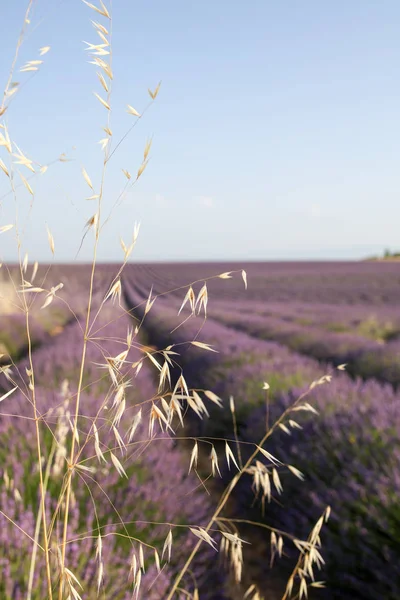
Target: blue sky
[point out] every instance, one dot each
(276, 132)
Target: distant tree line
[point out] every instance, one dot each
(388, 254)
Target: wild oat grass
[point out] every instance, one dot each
(93, 452)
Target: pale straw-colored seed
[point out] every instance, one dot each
(104, 143)
(100, 576)
(190, 297)
(118, 466)
(203, 346)
(102, 11)
(26, 184)
(167, 548)
(137, 419)
(202, 299)
(4, 168)
(132, 111)
(102, 101)
(133, 566)
(154, 94)
(270, 457)
(25, 263)
(213, 397)
(296, 472)
(118, 438)
(303, 591)
(141, 558)
(138, 580)
(7, 394)
(115, 291)
(5, 228)
(87, 178)
(103, 38)
(280, 546)
(285, 429)
(230, 456)
(100, 27)
(22, 159)
(194, 456)
(51, 240)
(5, 140)
(214, 462)
(205, 536)
(141, 169)
(157, 560)
(147, 149)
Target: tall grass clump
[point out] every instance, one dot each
(99, 495)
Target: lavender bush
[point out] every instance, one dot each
(367, 284)
(154, 468)
(239, 368)
(367, 358)
(349, 458)
(348, 454)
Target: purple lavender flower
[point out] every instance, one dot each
(158, 492)
(349, 456)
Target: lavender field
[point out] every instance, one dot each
(294, 324)
(134, 513)
(177, 423)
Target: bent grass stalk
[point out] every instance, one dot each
(42, 514)
(78, 397)
(227, 493)
(71, 464)
(26, 310)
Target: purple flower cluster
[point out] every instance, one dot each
(239, 368)
(70, 302)
(341, 283)
(380, 323)
(13, 336)
(349, 455)
(157, 492)
(364, 357)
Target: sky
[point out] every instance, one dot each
(276, 131)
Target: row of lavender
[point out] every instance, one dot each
(132, 514)
(378, 323)
(68, 303)
(365, 336)
(364, 357)
(341, 283)
(349, 453)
